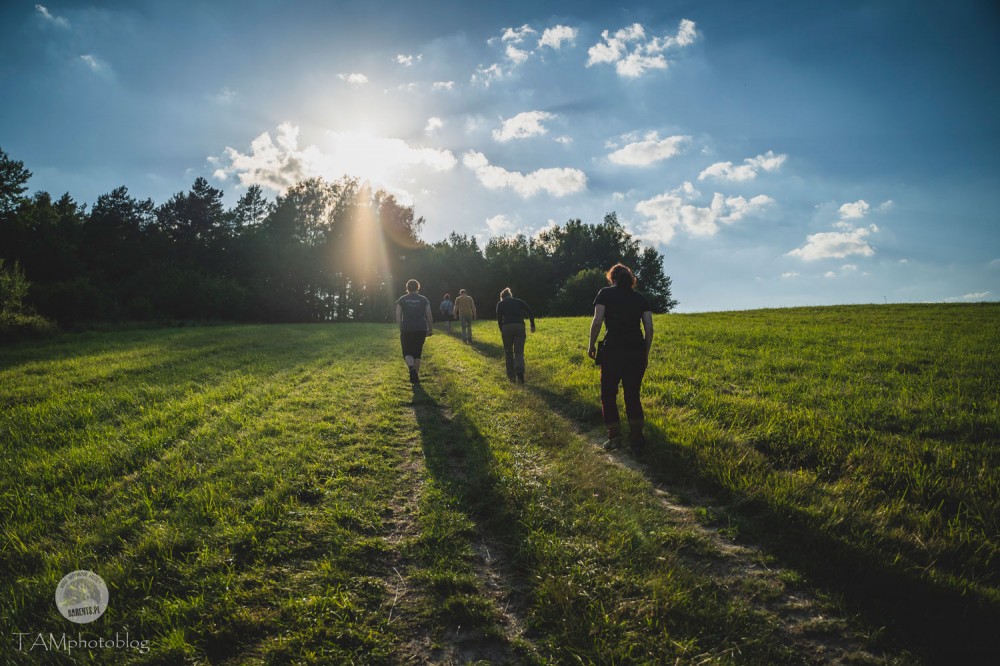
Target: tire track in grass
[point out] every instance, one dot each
(450, 592)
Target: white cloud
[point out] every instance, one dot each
(886, 205)
(276, 166)
(557, 182)
(746, 171)
(517, 50)
(632, 54)
(354, 79)
(977, 296)
(280, 163)
(55, 20)
(522, 126)
(513, 37)
(836, 244)
(555, 36)
(516, 55)
(433, 124)
(635, 65)
(995, 262)
(499, 224)
(789, 276)
(517, 35)
(673, 210)
(830, 274)
(486, 76)
(650, 150)
(443, 85)
(611, 49)
(854, 211)
(564, 140)
(93, 62)
(408, 60)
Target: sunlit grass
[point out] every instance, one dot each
(877, 426)
(283, 495)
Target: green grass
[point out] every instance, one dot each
(283, 495)
(870, 433)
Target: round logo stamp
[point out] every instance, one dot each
(82, 596)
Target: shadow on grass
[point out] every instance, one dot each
(940, 624)
(489, 349)
(461, 462)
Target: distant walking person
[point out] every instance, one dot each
(447, 309)
(465, 312)
(510, 319)
(625, 353)
(416, 323)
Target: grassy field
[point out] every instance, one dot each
(822, 484)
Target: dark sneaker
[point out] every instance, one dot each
(413, 376)
(613, 443)
(638, 446)
(520, 378)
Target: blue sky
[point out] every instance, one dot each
(776, 153)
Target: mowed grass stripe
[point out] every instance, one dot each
(259, 534)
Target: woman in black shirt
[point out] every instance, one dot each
(625, 353)
(510, 319)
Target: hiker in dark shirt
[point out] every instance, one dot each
(624, 353)
(416, 323)
(510, 319)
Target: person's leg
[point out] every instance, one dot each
(611, 376)
(406, 342)
(632, 375)
(507, 336)
(519, 338)
(418, 351)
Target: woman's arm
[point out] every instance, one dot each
(595, 329)
(647, 327)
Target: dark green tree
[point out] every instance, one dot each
(654, 283)
(578, 246)
(521, 264)
(576, 297)
(13, 182)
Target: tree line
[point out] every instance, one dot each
(322, 251)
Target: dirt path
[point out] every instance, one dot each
(814, 626)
